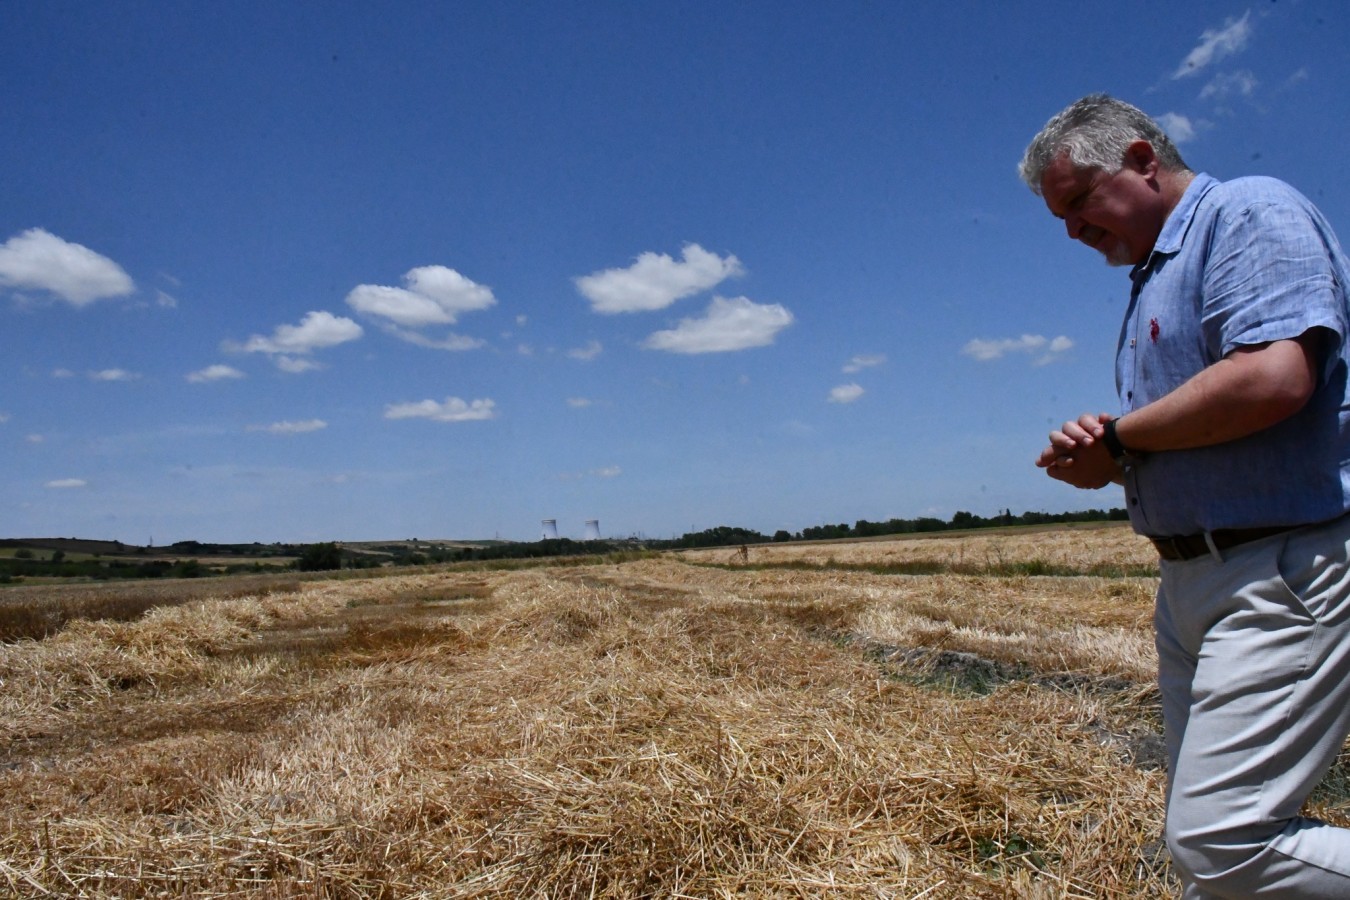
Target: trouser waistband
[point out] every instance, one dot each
(1189, 546)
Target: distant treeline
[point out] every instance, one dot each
(197, 548)
(316, 557)
(327, 556)
(726, 536)
(105, 569)
(333, 555)
(534, 550)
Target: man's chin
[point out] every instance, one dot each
(1117, 256)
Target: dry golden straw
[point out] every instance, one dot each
(651, 728)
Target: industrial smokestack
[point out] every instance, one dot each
(550, 530)
(592, 530)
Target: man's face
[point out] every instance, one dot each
(1118, 214)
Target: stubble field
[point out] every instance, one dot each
(803, 721)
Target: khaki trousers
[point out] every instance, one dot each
(1254, 667)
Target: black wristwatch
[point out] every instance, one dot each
(1123, 456)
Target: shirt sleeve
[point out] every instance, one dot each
(1269, 276)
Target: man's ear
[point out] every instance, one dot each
(1139, 157)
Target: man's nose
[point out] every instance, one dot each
(1073, 225)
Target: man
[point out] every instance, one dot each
(1233, 446)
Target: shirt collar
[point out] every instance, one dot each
(1178, 222)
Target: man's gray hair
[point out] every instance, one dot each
(1095, 132)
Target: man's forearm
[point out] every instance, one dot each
(1247, 391)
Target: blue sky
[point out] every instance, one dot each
(303, 271)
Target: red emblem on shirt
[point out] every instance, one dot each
(1153, 330)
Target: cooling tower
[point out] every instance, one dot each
(550, 530)
(592, 530)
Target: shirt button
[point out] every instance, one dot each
(1134, 501)
(1129, 395)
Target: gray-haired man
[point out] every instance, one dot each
(1233, 445)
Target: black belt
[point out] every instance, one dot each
(1189, 546)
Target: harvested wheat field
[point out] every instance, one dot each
(680, 725)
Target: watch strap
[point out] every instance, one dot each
(1119, 452)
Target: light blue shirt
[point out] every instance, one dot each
(1238, 263)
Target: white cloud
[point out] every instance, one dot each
(858, 363)
(167, 301)
(113, 375)
(316, 331)
(296, 364)
(574, 402)
(1216, 44)
(288, 428)
(214, 373)
(433, 295)
(1178, 127)
(398, 305)
(846, 393)
(455, 293)
(985, 350)
(451, 341)
(452, 410)
(735, 324)
(39, 260)
(1043, 349)
(607, 472)
(655, 280)
(66, 483)
(34, 438)
(62, 373)
(1225, 83)
(587, 353)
